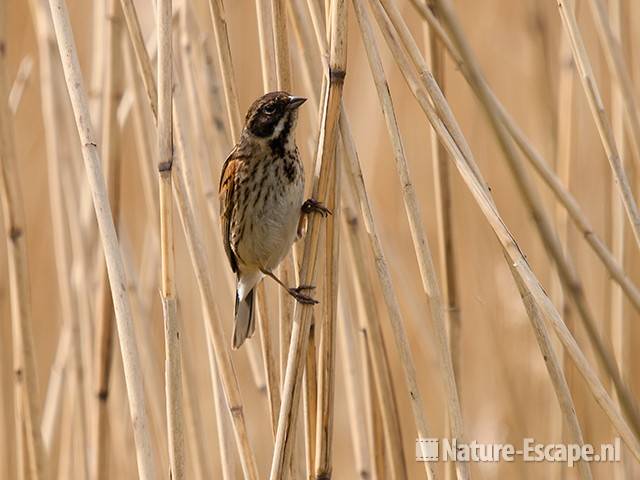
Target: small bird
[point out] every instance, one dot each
(261, 202)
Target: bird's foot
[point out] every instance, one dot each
(311, 205)
(301, 297)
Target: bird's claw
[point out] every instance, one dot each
(301, 297)
(311, 205)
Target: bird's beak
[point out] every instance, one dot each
(295, 102)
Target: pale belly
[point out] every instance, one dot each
(271, 226)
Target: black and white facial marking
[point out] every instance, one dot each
(272, 118)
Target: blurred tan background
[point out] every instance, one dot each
(505, 389)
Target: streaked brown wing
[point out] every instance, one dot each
(225, 194)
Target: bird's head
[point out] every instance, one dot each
(273, 116)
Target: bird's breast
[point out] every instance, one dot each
(273, 210)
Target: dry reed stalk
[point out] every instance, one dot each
(140, 51)
(442, 192)
(470, 173)
(143, 147)
(66, 437)
(286, 312)
(24, 366)
(20, 83)
(354, 385)
(285, 304)
(6, 453)
(365, 309)
(52, 402)
(327, 344)
(425, 262)
(223, 430)
(195, 440)
(382, 404)
(269, 82)
(90, 255)
(219, 22)
(633, 14)
(382, 374)
(46, 52)
(51, 112)
(563, 168)
(564, 155)
(205, 87)
(147, 276)
(553, 181)
(173, 354)
(150, 354)
(320, 365)
(376, 431)
(311, 70)
(183, 194)
(281, 44)
(195, 426)
(265, 37)
(375, 342)
(104, 331)
(287, 270)
(302, 319)
(566, 270)
(198, 127)
(619, 327)
(8, 410)
(270, 365)
(612, 49)
(99, 44)
(115, 266)
(198, 111)
(213, 110)
(20, 448)
(600, 116)
(199, 262)
(554, 368)
(119, 432)
(310, 401)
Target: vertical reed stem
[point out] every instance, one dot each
(111, 155)
(444, 220)
(300, 329)
(24, 366)
(173, 360)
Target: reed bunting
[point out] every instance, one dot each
(261, 202)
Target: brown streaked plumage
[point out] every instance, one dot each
(261, 200)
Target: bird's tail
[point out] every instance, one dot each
(244, 324)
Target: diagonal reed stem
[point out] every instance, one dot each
(614, 56)
(130, 357)
(542, 167)
(600, 116)
(566, 270)
(470, 174)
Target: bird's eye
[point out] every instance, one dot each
(269, 109)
